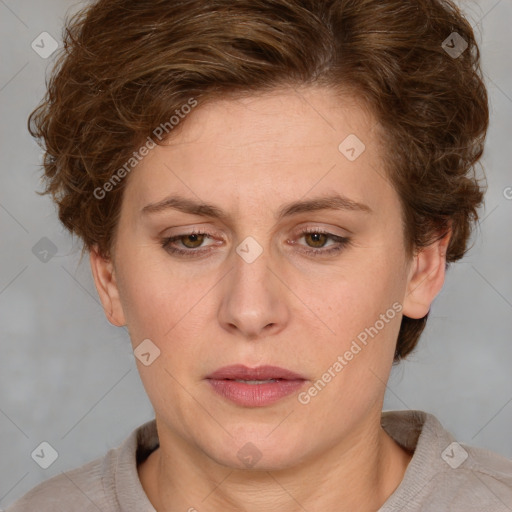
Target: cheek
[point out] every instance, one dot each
(361, 305)
(169, 306)
(362, 308)
(357, 291)
(152, 297)
(159, 296)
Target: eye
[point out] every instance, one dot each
(191, 241)
(319, 237)
(191, 244)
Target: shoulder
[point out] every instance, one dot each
(479, 478)
(83, 489)
(446, 475)
(109, 483)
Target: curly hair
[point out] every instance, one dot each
(126, 66)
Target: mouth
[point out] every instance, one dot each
(254, 375)
(254, 387)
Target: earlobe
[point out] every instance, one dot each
(106, 286)
(426, 278)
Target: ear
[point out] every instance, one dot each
(105, 281)
(426, 278)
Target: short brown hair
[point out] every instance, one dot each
(126, 66)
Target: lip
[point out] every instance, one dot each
(239, 371)
(224, 382)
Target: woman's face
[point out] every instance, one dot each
(257, 290)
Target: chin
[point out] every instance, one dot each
(257, 453)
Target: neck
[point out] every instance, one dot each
(358, 473)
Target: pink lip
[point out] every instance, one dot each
(239, 371)
(224, 382)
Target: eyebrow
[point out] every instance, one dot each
(330, 202)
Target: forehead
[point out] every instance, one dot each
(285, 117)
(278, 145)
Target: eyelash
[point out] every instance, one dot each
(342, 243)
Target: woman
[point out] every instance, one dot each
(270, 193)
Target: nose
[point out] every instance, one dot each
(254, 299)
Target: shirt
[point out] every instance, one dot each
(442, 476)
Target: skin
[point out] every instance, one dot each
(287, 308)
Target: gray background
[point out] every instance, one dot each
(69, 377)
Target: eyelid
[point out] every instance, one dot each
(167, 241)
(184, 231)
(339, 242)
(329, 230)
(214, 233)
